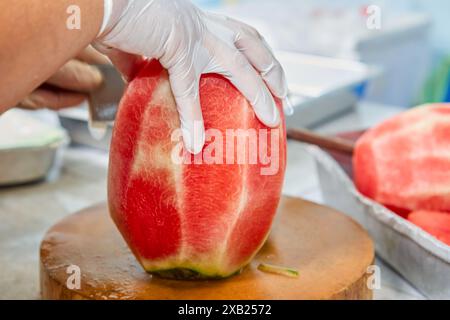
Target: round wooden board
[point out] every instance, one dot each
(330, 251)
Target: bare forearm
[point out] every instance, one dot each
(35, 41)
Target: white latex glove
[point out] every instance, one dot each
(188, 43)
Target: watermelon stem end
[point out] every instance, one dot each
(188, 274)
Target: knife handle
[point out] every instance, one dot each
(329, 143)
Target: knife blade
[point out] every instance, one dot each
(104, 101)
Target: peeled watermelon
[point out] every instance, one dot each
(404, 163)
(434, 222)
(189, 220)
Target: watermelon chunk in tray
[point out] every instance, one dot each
(404, 164)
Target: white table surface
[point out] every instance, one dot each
(26, 212)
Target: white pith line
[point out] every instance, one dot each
(244, 193)
(429, 121)
(177, 173)
(161, 91)
(409, 130)
(426, 124)
(178, 178)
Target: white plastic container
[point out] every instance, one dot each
(403, 51)
(321, 87)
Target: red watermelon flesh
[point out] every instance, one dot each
(434, 222)
(193, 220)
(404, 163)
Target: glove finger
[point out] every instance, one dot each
(265, 63)
(287, 106)
(185, 87)
(250, 42)
(235, 67)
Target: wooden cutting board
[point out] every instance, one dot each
(330, 251)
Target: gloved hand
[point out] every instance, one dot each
(70, 85)
(189, 42)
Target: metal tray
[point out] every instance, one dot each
(28, 164)
(419, 257)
